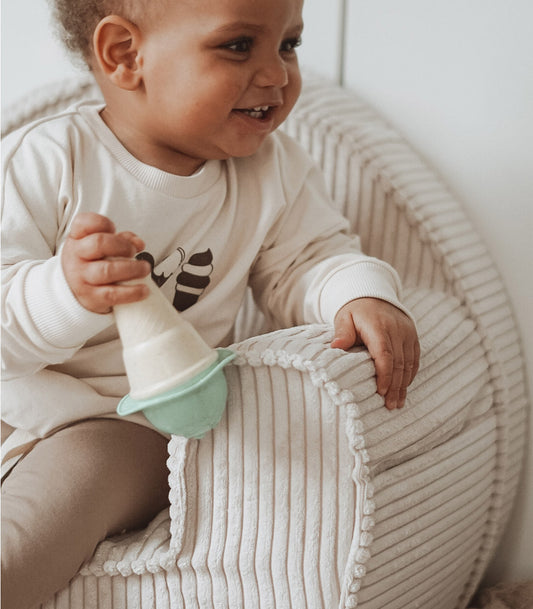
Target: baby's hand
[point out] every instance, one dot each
(95, 258)
(391, 339)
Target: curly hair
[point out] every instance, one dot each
(77, 20)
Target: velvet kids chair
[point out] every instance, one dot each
(309, 494)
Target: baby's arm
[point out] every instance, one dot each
(391, 339)
(95, 257)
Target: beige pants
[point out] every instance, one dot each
(72, 490)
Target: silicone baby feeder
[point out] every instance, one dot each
(176, 380)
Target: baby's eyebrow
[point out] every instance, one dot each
(239, 26)
(234, 26)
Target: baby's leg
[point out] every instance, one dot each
(84, 483)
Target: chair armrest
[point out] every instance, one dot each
(453, 363)
(303, 422)
(334, 396)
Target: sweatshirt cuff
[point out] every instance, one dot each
(365, 279)
(58, 316)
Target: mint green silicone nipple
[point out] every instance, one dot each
(176, 380)
(190, 409)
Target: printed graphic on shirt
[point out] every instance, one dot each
(192, 278)
(165, 269)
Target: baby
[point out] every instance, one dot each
(180, 174)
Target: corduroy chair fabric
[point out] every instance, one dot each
(310, 494)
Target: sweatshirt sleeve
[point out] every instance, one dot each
(311, 266)
(42, 322)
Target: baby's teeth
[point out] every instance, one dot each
(257, 112)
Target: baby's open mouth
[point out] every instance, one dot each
(260, 112)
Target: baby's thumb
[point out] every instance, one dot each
(345, 334)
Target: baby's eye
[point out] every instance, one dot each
(242, 45)
(289, 45)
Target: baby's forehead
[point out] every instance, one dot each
(210, 20)
(215, 5)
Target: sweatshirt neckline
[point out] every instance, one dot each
(152, 177)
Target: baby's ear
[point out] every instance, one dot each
(116, 46)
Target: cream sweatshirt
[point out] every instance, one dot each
(263, 221)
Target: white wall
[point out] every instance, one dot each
(31, 54)
(323, 37)
(456, 78)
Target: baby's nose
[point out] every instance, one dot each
(272, 73)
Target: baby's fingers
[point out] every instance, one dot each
(394, 366)
(102, 299)
(114, 270)
(381, 350)
(97, 284)
(389, 370)
(411, 362)
(87, 223)
(96, 246)
(96, 259)
(405, 366)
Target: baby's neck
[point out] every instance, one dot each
(143, 149)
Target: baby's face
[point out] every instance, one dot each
(218, 77)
